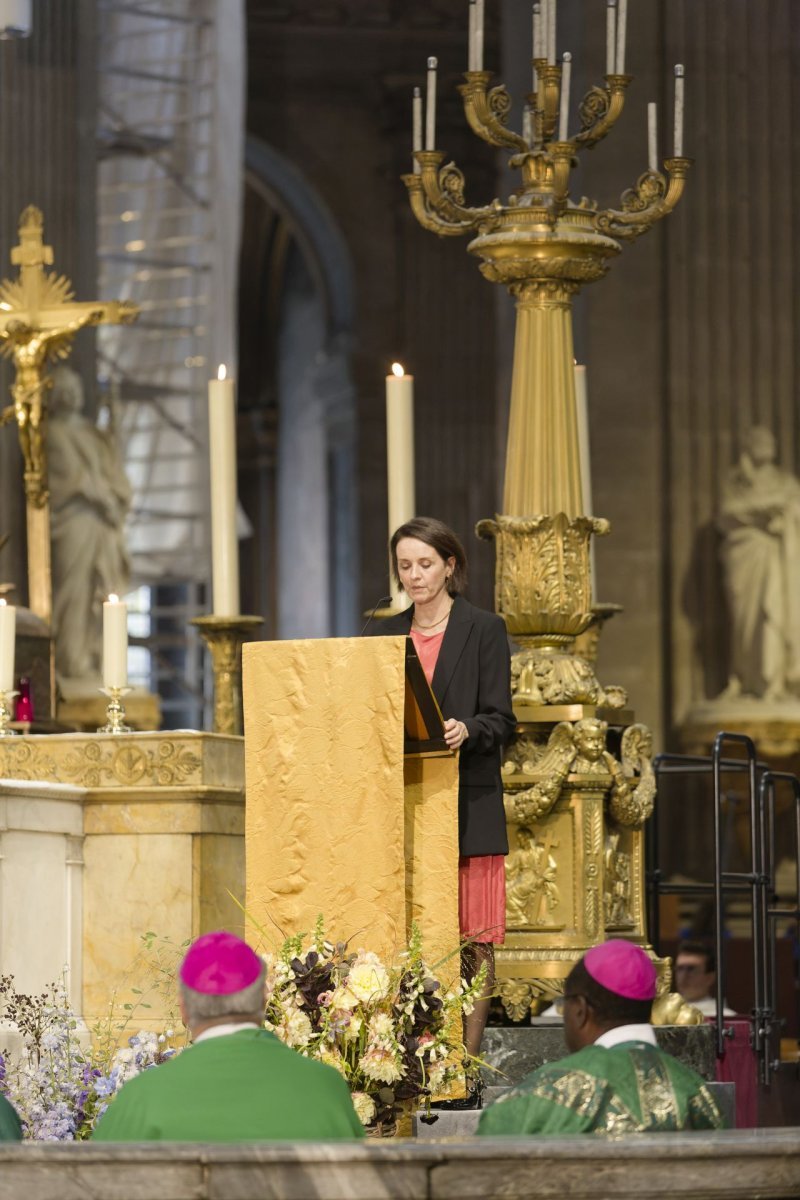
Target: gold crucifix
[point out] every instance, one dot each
(39, 317)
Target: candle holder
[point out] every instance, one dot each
(224, 637)
(115, 713)
(576, 811)
(7, 714)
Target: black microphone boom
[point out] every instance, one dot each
(383, 600)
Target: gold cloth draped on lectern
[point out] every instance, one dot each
(336, 822)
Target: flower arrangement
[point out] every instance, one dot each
(392, 1032)
(60, 1085)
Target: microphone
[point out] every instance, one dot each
(383, 600)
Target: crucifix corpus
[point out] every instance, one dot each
(38, 319)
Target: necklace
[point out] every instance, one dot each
(433, 624)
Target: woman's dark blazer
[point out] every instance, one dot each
(472, 682)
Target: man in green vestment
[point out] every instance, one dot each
(615, 1079)
(10, 1128)
(236, 1082)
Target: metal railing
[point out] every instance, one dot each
(757, 881)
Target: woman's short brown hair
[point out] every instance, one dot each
(439, 537)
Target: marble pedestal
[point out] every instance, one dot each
(105, 838)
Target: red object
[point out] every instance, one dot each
(622, 968)
(740, 1066)
(23, 710)
(482, 897)
(220, 963)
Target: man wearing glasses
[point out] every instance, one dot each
(696, 978)
(615, 1080)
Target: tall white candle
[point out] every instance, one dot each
(471, 44)
(611, 35)
(563, 114)
(527, 125)
(8, 628)
(399, 449)
(679, 98)
(416, 126)
(582, 414)
(430, 106)
(115, 643)
(551, 32)
(478, 35)
(622, 22)
(224, 543)
(652, 136)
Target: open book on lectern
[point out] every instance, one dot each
(424, 723)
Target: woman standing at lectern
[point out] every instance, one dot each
(465, 656)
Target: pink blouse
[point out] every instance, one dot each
(427, 649)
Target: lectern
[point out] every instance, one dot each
(352, 796)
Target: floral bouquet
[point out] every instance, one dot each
(58, 1085)
(392, 1032)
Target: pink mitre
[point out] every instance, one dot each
(622, 968)
(220, 963)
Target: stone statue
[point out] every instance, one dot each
(760, 523)
(89, 498)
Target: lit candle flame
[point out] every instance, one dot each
(222, 371)
(113, 598)
(397, 369)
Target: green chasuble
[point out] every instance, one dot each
(239, 1087)
(630, 1088)
(10, 1128)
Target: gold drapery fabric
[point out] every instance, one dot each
(330, 825)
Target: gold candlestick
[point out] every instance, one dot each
(7, 714)
(115, 713)
(574, 810)
(224, 637)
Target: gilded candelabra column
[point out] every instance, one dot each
(578, 781)
(224, 637)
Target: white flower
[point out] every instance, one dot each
(364, 1106)
(436, 1078)
(331, 1058)
(294, 1028)
(381, 1028)
(354, 1028)
(368, 978)
(380, 1064)
(343, 997)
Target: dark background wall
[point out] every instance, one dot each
(47, 148)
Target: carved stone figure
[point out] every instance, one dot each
(89, 496)
(617, 883)
(531, 890)
(760, 522)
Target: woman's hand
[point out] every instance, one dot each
(455, 733)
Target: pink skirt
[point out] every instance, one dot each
(482, 898)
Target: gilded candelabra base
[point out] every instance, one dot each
(115, 713)
(224, 637)
(7, 714)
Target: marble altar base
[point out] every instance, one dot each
(105, 838)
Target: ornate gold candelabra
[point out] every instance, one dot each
(224, 637)
(575, 810)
